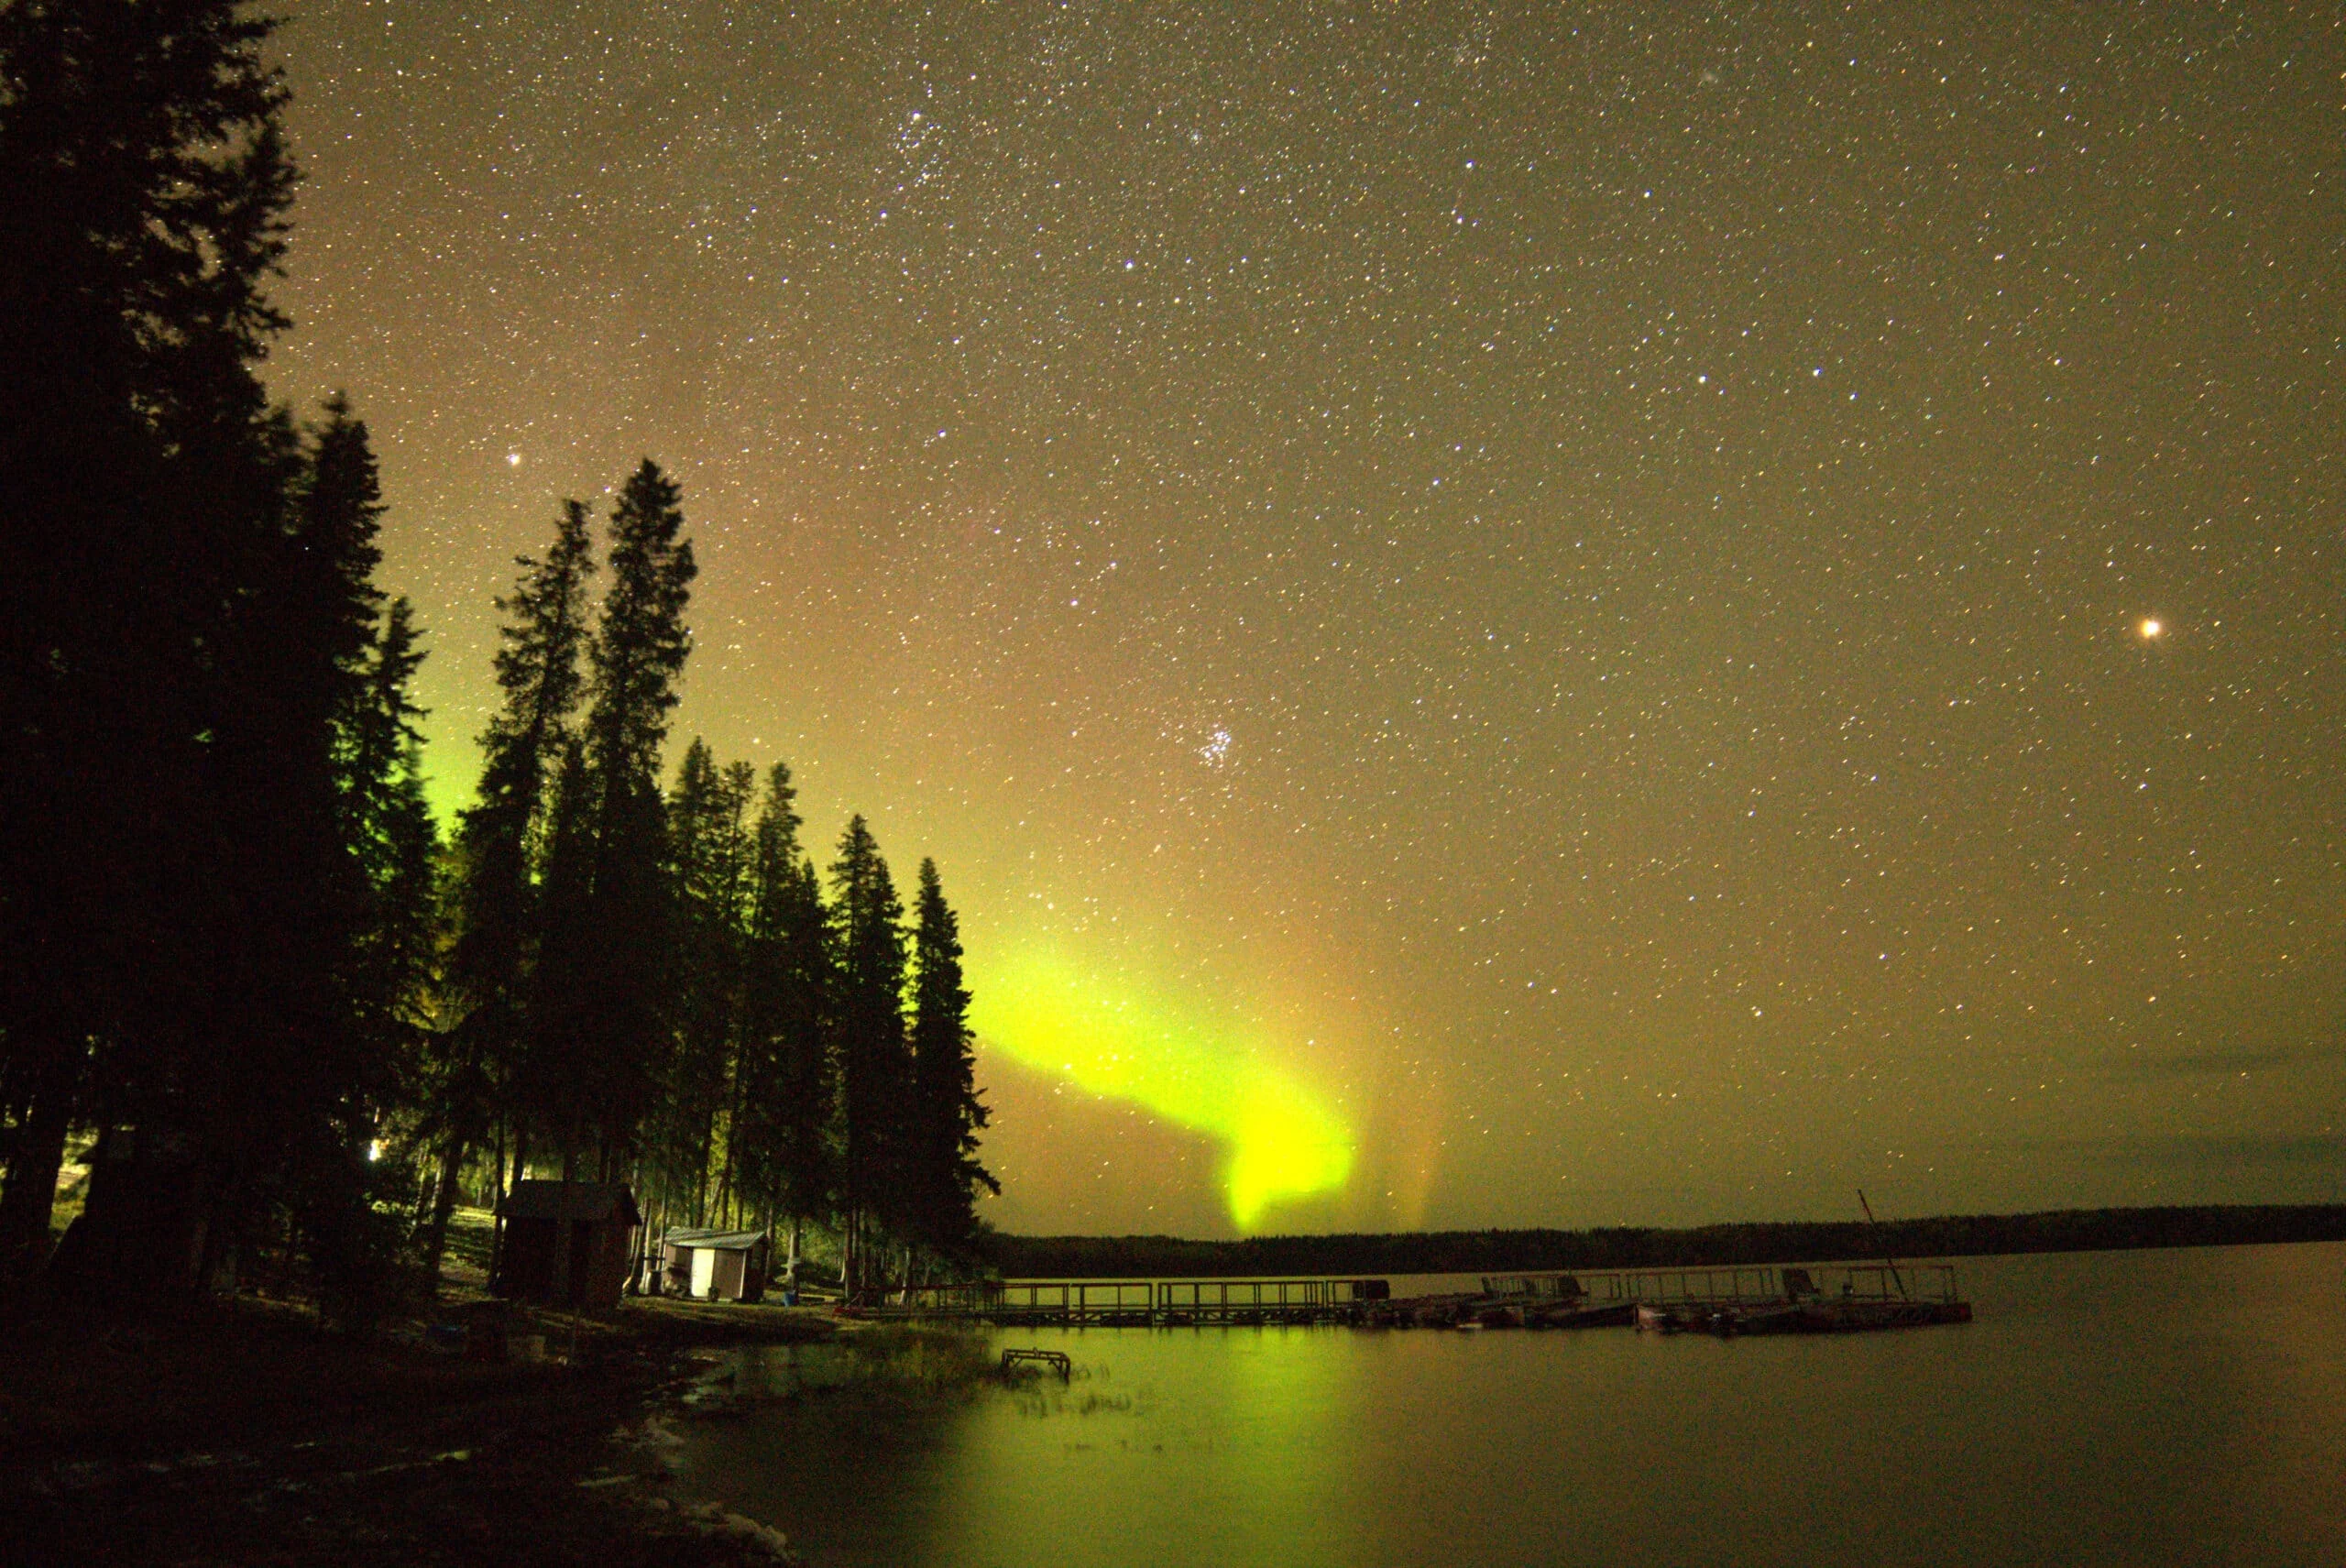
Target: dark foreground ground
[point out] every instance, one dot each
(240, 1434)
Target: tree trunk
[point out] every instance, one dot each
(444, 1203)
(30, 1197)
(504, 1188)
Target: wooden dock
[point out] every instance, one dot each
(1135, 1303)
(1816, 1299)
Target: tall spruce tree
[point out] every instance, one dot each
(144, 189)
(712, 853)
(947, 1113)
(788, 1088)
(738, 864)
(553, 1097)
(283, 1065)
(621, 1010)
(388, 828)
(874, 1061)
(500, 844)
(539, 676)
(388, 978)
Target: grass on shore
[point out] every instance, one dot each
(242, 1433)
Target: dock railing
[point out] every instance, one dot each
(1075, 1301)
(1884, 1281)
(1283, 1296)
(1667, 1286)
(1539, 1287)
(957, 1300)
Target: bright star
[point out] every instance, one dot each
(2149, 629)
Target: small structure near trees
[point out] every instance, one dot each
(144, 1218)
(567, 1243)
(716, 1266)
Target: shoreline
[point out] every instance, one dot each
(237, 1433)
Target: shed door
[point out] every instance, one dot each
(582, 1260)
(703, 1270)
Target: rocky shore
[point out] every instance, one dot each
(240, 1434)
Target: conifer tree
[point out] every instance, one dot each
(788, 1086)
(143, 193)
(276, 1062)
(621, 1007)
(539, 675)
(874, 1064)
(500, 844)
(947, 1113)
(553, 1099)
(739, 879)
(388, 977)
(388, 825)
(712, 855)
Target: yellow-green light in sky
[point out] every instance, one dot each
(1113, 1040)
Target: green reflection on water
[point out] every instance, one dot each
(2113, 1409)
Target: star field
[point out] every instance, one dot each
(1577, 579)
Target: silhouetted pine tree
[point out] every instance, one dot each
(621, 968)
(284, 1067)
(388, 825)
(500, 844)
(788, 1089)
(945, 1173)
(712, 854)
(874, 1063)
(387, 978)
(143, 192)
(553, 1094)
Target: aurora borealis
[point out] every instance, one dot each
(1495, 616)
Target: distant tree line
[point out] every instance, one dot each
(233, 948)
(1728, 1245)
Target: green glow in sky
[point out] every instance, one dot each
(1112, 1039)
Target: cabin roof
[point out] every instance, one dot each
(570, 1201)
(716, 1240)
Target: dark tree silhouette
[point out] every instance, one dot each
(619, 1014)
(499, 847)
(788, 1085)
(868, 1025)
(712, 852)
(947, 1110)
(143, 195)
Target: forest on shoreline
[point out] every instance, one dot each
(1610, 1247)
(281, 1019)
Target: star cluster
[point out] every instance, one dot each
(1675, 610)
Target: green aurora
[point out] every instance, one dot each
(1118, 1041)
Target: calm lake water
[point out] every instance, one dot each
(2167, 1408)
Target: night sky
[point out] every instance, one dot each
(1560, 615)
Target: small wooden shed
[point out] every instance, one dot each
(716, 1266)
(567, 1243)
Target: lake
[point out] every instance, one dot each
(2172, 1408)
